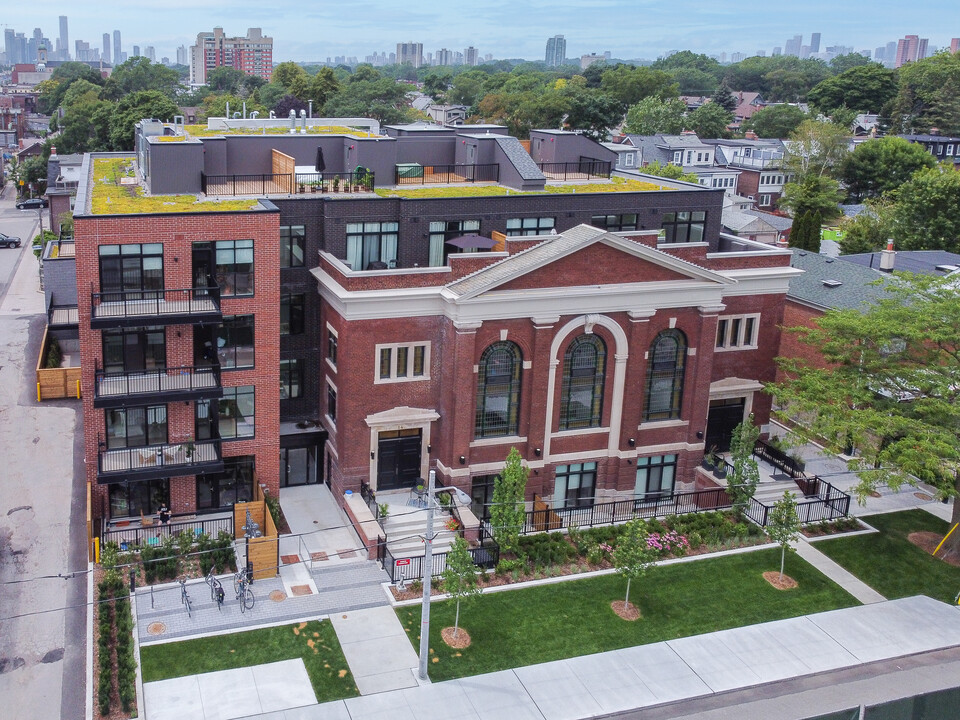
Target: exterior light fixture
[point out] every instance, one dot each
(463, 460)
(631, 442)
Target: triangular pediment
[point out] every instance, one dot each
(583, 256)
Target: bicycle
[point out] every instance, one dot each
(245, 594)
(216, 589)
(184, 597)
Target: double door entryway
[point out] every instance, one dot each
(398, 458)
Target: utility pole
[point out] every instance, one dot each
(427, 576)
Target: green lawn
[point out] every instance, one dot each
(551, 622)
(315, 642)
(891, 564)
(831, 234)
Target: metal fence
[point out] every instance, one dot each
(130, 537)
(370, 498)
(264, 184)
(345, 182)
(446, 174)
(411, 568)
(583, 170)
(830, 504)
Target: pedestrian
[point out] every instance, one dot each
(164, 513)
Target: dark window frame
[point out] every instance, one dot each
(129, 274)
(374, 239)
(617, 222)
(238, 470)
(230, 326)
(143, 340)
(293, 305)
(149, 436)
(668, 368)
(291, 379)
(292, 238)
(530, 226)
(578, 378)
(499, 376)
(684, 226)
(332, 403)
(653, 466)
(226, 271)
(580, 498)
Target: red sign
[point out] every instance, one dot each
(401, 563)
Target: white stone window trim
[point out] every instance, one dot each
(742, 343)
(394, 377)
(326, 350)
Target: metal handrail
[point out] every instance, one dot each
(179, 455)
(181, 379)
(450, 174)
(581, 170)
(136, 303)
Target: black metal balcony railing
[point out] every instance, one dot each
(582, 170)
(161, 307)
(262, 184)
(345, 182)
(446, 174)
(166, 385)
(151, 462)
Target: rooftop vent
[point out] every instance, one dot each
(948, 268)
(832, 283)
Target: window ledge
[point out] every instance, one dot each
(500, 440)
(579, 431)
(657, 424)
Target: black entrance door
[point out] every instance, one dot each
(298, 466)
(724, 417)
(398, 459)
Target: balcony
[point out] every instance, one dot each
(415, 174)
(144, 387)
(154, 462)
(757, 163)
(191, 306)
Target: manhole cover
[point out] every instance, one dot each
(156, 628)
(278, 595)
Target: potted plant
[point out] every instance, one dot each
(720, 467)
(707, 462)
(336, 183)
(189, 448)
(302, 189)
(444, 499)
(452, 524)
(383, 509)
(323, 186)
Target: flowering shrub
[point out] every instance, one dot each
(668, 542)
(452, 525)
(599, 553)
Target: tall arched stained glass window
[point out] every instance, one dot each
(667, 359)
(498, 391)
(581, 403)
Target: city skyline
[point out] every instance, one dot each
(317, 33)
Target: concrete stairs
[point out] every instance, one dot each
(406, 529)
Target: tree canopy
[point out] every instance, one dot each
(653, 115)
(925, 211)
(881, 165)
(864, 88)
(929, 95)
(710, 120)
(887, 385)
(139, 74)
(776, 121)
(813, 194)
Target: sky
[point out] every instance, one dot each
(315, 29)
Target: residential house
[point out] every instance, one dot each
(944, 148)
(740, 219)
(695, 156)
(761, 167)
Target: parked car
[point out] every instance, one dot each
(9, 241)
(32, 204)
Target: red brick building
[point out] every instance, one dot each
(179, 339)
(609, 361)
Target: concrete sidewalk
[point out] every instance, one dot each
(840, 575)
(651, 675)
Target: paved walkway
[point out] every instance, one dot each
(340, 589)
(840, 575)
(377, 649)
(651, 675)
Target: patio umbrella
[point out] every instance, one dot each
(471, 242)
(320, 165)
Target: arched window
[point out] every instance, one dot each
(498, 391)
(581, 401)
(665, 376)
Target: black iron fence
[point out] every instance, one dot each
(830, 504)
(411, 568)
(779, 459)
(149, 382)
(370, 498)
(112, 305)
(323, 182)
(446, 174)
(582, 170)
(264, 184)
(133, 533)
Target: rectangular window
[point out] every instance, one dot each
(131, 268)
(529, 226)
(684, 226)
(403, 361)
(223, 489)
(291, 379)
(737, 332)
(574, 485)
(234, 411)
(291, 314)
(765, 200)
(655, 477)
(331, 402)
(136, 426)
(628, 159)
(331, 346)
(235, 345)
(234, 271)
(134, 350)
(293, 246)
(130, 499)
(441, 232)
(677, 157)
(372, 245)
(615, 223)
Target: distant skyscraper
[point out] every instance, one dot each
(815, 43)
(136, 51)
(777, 51)
(922, 49)
(909, 49)
(470, 56)
(556, 53)
(955, 45)
(106, 48)
(410, 53)
(444, 57)
(64, 38)
(793, 46)
(182, 57)
(151, 53)
(117, 52)
(251, 54)
(9, 45)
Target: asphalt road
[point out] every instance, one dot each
(42, 504)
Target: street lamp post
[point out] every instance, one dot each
(427, 577)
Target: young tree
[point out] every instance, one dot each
(887, 384)
(460, 576)
(869, 230)
(724, 98)
(813, 194)
(508, 512)
(633, 555)
(783, 525)
(798, 232)
(743, 479)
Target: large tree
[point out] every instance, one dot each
(866, 88)
(925, 211)
(630, 85)
(652, 115)
(889, 385)
(139, 74)
(813, 194)
(880, 165)
(710, 120)
(816, 148)
(132, 109)
(927, 95)
(53, 90)
(776, 121)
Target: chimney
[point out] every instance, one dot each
(53, 149)
(934, 131)
(887, 257)
(751, 135)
